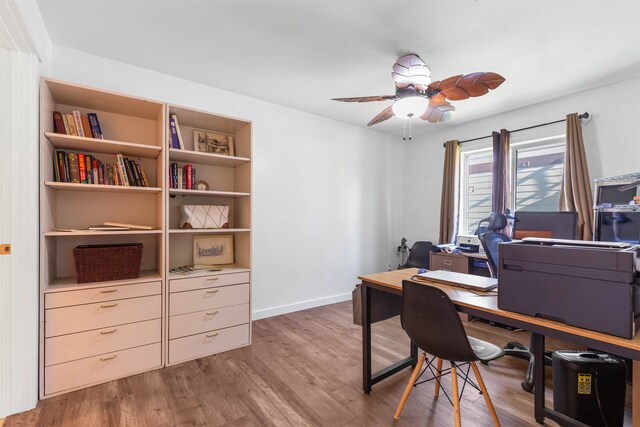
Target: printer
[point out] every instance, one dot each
(592, 285)
(469, 243)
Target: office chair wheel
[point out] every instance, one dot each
(526, 386)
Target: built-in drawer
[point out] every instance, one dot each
(107, 293)
(98, 369)
(79, 318)
(201, 282)
(203, 321)
(204, 299)
(66, 348)
(449, 262)
(201, 345)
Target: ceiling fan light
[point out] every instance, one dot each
(410, 106)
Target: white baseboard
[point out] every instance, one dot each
(303, 305)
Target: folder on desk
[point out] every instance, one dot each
(461, 280)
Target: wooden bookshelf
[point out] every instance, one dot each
(208, 230)
(82, 144)
(98, 233)
(206, 193)
(189, 156)
(68, 186)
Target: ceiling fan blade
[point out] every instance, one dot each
(385, 114)
(461, 87)
(366, 98)
(438, 112)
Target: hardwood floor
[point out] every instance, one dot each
(303, 369)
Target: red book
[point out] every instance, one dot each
(83, 168)
(61, 169)
(188, 173)
(58, 124)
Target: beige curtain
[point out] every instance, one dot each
(575, 193)
(501, 177)
(448, 205)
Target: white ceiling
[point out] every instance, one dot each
(302, 53)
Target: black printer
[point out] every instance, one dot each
(592, 285)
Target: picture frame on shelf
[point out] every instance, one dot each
(206, 141)
(213, 249)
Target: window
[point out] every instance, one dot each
(536, 163)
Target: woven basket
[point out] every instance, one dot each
(99, 263)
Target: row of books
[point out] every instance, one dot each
(77, 124)
(85, 169)
(183, 178)
(174, 130)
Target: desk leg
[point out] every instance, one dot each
(538, 376)
(366, 339)
(635, 394)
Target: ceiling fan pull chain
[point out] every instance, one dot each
(410, 117)
(404, 130)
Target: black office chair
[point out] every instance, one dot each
(432, 322)
(419, 255)
(494, 222)
(490, 242)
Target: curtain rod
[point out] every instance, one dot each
(584, 115)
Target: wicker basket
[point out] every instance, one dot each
(99, 263)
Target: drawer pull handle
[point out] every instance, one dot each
(211, 313)
(108, 305)
(211, 279)
(447, 262)
(212, 291)
(108, 291)
(104, 359)
(108, 332)
(212, 335)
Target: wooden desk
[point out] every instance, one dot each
(487, 307)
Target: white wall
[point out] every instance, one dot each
(327, 196)
(611, 142)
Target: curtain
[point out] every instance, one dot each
(575, 193)
(501, 177)
(448, 205)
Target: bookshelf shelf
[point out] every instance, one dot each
(208, 230)
(204, 272)
(208, 193)
(98, 233)
(69, 283)
(189, 156)
(84, 144)
(99, 187)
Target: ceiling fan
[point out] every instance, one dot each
(417, 96)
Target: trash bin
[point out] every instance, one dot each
(589, 386)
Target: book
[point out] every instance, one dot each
(58, 124)
(133, 226)
(67, 230)
(180, 142)
(71, 123)
(89, 168)
(77, 121)
(74, 170)
(144, 177)
(130, 178)
(124, 179)
(138, 173)
(173, 175)
(61, 175)
(96, 131)
(180, 178)
(189, 183)
(107, 228)
(174, 135)
(82, 167)
(95, 170)
(66, 125)
(86, 126)
(56, 167)
(67, 170)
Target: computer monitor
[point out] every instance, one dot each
(556, 225)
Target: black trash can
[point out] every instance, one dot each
(589, 386)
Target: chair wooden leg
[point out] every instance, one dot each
(454, 393)
(438, 373)
(412, 381)
(487, 399)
